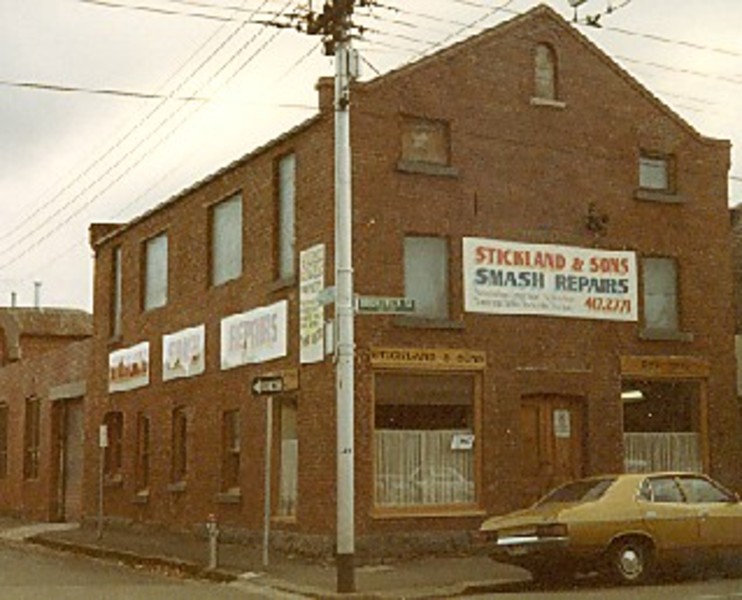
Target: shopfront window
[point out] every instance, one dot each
(424, 440)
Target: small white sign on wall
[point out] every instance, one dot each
(562, 424)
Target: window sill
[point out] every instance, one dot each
(423, 323)
(230, 497)
(658, 196)
(548, 103)
(421, 168)
(282, 284)
(113, 481)
(428, 512)
(142, 497)
(176, 488)
(664, 335)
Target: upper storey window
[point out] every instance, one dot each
(654, 172)
(116, 293)
(425, 141)
(155, 272)
(286, 216)
(226, 240)
(545, 73)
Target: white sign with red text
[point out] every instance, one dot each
(255, 336)
(510, 278)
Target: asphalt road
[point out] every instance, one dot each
(38, 574)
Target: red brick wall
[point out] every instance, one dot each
(525, 173)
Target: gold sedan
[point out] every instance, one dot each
(624, 525)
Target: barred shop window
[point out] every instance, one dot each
(286, 216)
(424, 440)
(155, 272)
(426, 275)
(179, 447)
(660, 283)
(143, 452)
(226, 240)
(113, 454)
(3, 440)
(32, 438)
(426, 141)
(116, 291)
(655, 172)
(289, 459)
(545, 72)
(231, 451)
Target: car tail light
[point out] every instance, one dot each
(552, 530)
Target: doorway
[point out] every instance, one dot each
(71, 460)
(552, 439)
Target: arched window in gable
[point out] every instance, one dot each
(545, 72)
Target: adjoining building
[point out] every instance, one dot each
(43, 369)
(565, 238)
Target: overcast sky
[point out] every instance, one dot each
(221, 85)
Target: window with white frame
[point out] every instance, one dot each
(287, 216)
(155, 272)
(545, 72)
(426, 275)
(424, 436)
(226, 240)
(654, 172)
(660, 284)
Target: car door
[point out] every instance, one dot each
(720, 514)
(670, 520)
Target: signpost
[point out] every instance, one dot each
(269, 384)
(382, 305)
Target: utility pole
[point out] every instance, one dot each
(334, 23)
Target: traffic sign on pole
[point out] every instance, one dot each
(270, 384)
(381, 305)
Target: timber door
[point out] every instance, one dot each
(72, 461)
(551, 442)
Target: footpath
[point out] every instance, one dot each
(186, 554)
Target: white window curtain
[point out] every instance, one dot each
(646, 452)
(415, 467)
(155, 293)
(426, 275)
(287, 215)
(660, 293)
(226, 241)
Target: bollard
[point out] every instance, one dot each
(212, 528)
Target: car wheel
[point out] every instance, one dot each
(630, 561)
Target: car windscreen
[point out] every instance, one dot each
(578, 491)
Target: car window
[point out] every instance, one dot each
(698, 490)
(579, 491)
(665, 489)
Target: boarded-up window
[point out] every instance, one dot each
(226, 240)
(426, 275)
(425, 141)
(32, 438)
(230, 450)
(545, 72)
(179, 454)
(112, 458)
(155, 272)
(654, 172)
(143, 452)
(286, 216)
(659, 279)
(3, 441)
(116, 290)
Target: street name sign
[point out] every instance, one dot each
(380, 305)
(271, 384)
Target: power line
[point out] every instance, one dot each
(55, 87)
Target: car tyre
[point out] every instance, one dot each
(630, 561)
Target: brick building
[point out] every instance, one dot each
(564, 235)
(43, 367)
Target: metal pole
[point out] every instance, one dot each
(344, 310)
(267, 492)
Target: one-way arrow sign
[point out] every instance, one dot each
(271, 384)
